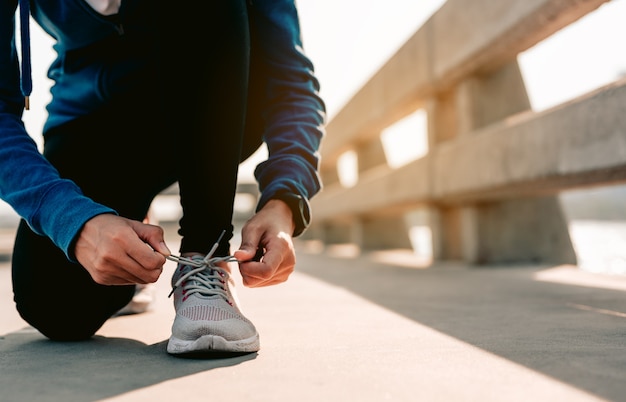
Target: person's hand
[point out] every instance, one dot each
(270, 230)
(120, 251)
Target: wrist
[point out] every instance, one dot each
(279, 208)
(299, 210)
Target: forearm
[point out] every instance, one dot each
(51, 206)
(284, 103)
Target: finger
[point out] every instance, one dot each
(244, 254)
(136, 263)
(247, 256)
(143, 271)
(152, 235)
(273, 259)
(258, 271)
(260, 279)
(250, 241)
(141, 256)
(116, 276)
(255, 273)
(127, 267)
(125, 280)
(274, 281)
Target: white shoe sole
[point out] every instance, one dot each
(212, 344)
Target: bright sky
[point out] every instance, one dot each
(348, 40)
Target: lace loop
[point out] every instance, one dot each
(206, 277)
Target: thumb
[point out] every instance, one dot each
(249, 246)
(246, 252)
(153, 235)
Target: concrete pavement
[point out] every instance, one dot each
(354, 328)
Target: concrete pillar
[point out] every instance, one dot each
(317, 231)
(489, 98)
(450, 233)
(380, 232)
(370, 155)
(470, 225)
(521, 230)
(442, 118)
(420, 223)
(385, 232)
(455, 236)
(524, 230)
(341, 231)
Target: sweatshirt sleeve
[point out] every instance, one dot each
(284, 102)
(52, 206)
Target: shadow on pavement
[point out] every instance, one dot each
(504, 311)
(91, 370)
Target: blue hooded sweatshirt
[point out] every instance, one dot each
(283, 105)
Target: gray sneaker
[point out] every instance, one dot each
(207, 317)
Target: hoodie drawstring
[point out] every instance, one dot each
(26, 76)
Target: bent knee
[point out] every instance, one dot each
(66, 327)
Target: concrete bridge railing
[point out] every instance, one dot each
(487, 189)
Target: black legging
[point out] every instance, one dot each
(180, 120)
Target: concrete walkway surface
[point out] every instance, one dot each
(353, 329)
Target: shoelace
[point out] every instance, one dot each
(206, 278)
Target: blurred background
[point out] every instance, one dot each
(350, 40)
